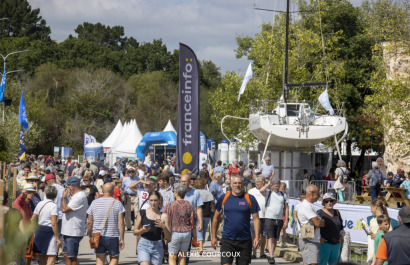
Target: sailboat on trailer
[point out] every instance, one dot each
(293, 125)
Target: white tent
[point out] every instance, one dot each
(113, 136)
(128, 141)
(169, 127)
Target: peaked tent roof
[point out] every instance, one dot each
(121, 135)
(169, 127)
(109, 141)
(129, 140)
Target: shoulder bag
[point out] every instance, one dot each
(95, 237)
(307, 231)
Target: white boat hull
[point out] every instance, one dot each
(294, 136)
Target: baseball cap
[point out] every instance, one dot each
(102, 173)
(275, 181)
(61, 173)
(155, 166)
(49, 176)
(328, 196)
(115, 176)
(154, 178)
(257, 172)
(73, 181)
(390, 174)
(204, 165)
(399, 169)
(404, 214)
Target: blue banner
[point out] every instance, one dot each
(22, 152)
(3, 84)
(23, 114)
(188, 112)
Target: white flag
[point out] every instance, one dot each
(92, 139)
(325, 102)
(248, 76)
(87, 139)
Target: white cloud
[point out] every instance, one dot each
(209, 27)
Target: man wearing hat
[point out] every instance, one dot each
(22, 203)
(395, 245)
(276, 205)
(34, 180)
(74, 219)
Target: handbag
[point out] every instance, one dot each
(95, 237)
(307, 231)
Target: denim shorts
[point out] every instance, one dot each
(150, 251)
(179, 242)
(71, 245)
(108, 245)
(261, 227)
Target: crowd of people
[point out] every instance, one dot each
(169, 214)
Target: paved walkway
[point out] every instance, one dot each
(128, 256)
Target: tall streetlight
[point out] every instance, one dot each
(4, 65)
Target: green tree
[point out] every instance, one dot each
(23, 21)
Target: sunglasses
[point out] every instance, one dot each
(327, 201)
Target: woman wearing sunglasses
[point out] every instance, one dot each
(330, 234)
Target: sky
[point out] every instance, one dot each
(209, 27)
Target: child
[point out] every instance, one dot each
(384, 225)
(282, 188)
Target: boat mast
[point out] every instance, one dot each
(285, 67)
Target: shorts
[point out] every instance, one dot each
(239, 249)
(179, 242)
(310, 251)
(108, 245)
(262, 227)
(273, 228)
(71, 245)
(150, 251)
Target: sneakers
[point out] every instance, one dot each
(284, 245)
(271, 260)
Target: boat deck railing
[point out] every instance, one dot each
(267, 107)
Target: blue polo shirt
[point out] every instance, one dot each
(237, 217)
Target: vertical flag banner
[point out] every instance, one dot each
(3, 85)
(22, 152)
(87, 139)
(23, 114)
(188, 112)
(325, 102)
(92, 139)
(248, 76)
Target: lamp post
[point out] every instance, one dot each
(4, 65)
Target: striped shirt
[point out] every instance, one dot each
(99, 209)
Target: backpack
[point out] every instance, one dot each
(345, 177)
(248, 200)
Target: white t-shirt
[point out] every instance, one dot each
(141, 174)
(276, 204)
(99, 209)
(306, 211)
(260, 199)
(49, 209)
(74, 222)
(142, 197)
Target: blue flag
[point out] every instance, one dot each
(87, 139)
(3, 85)
(23, 114)
(22, 152)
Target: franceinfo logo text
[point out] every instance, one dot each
(211, 254)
